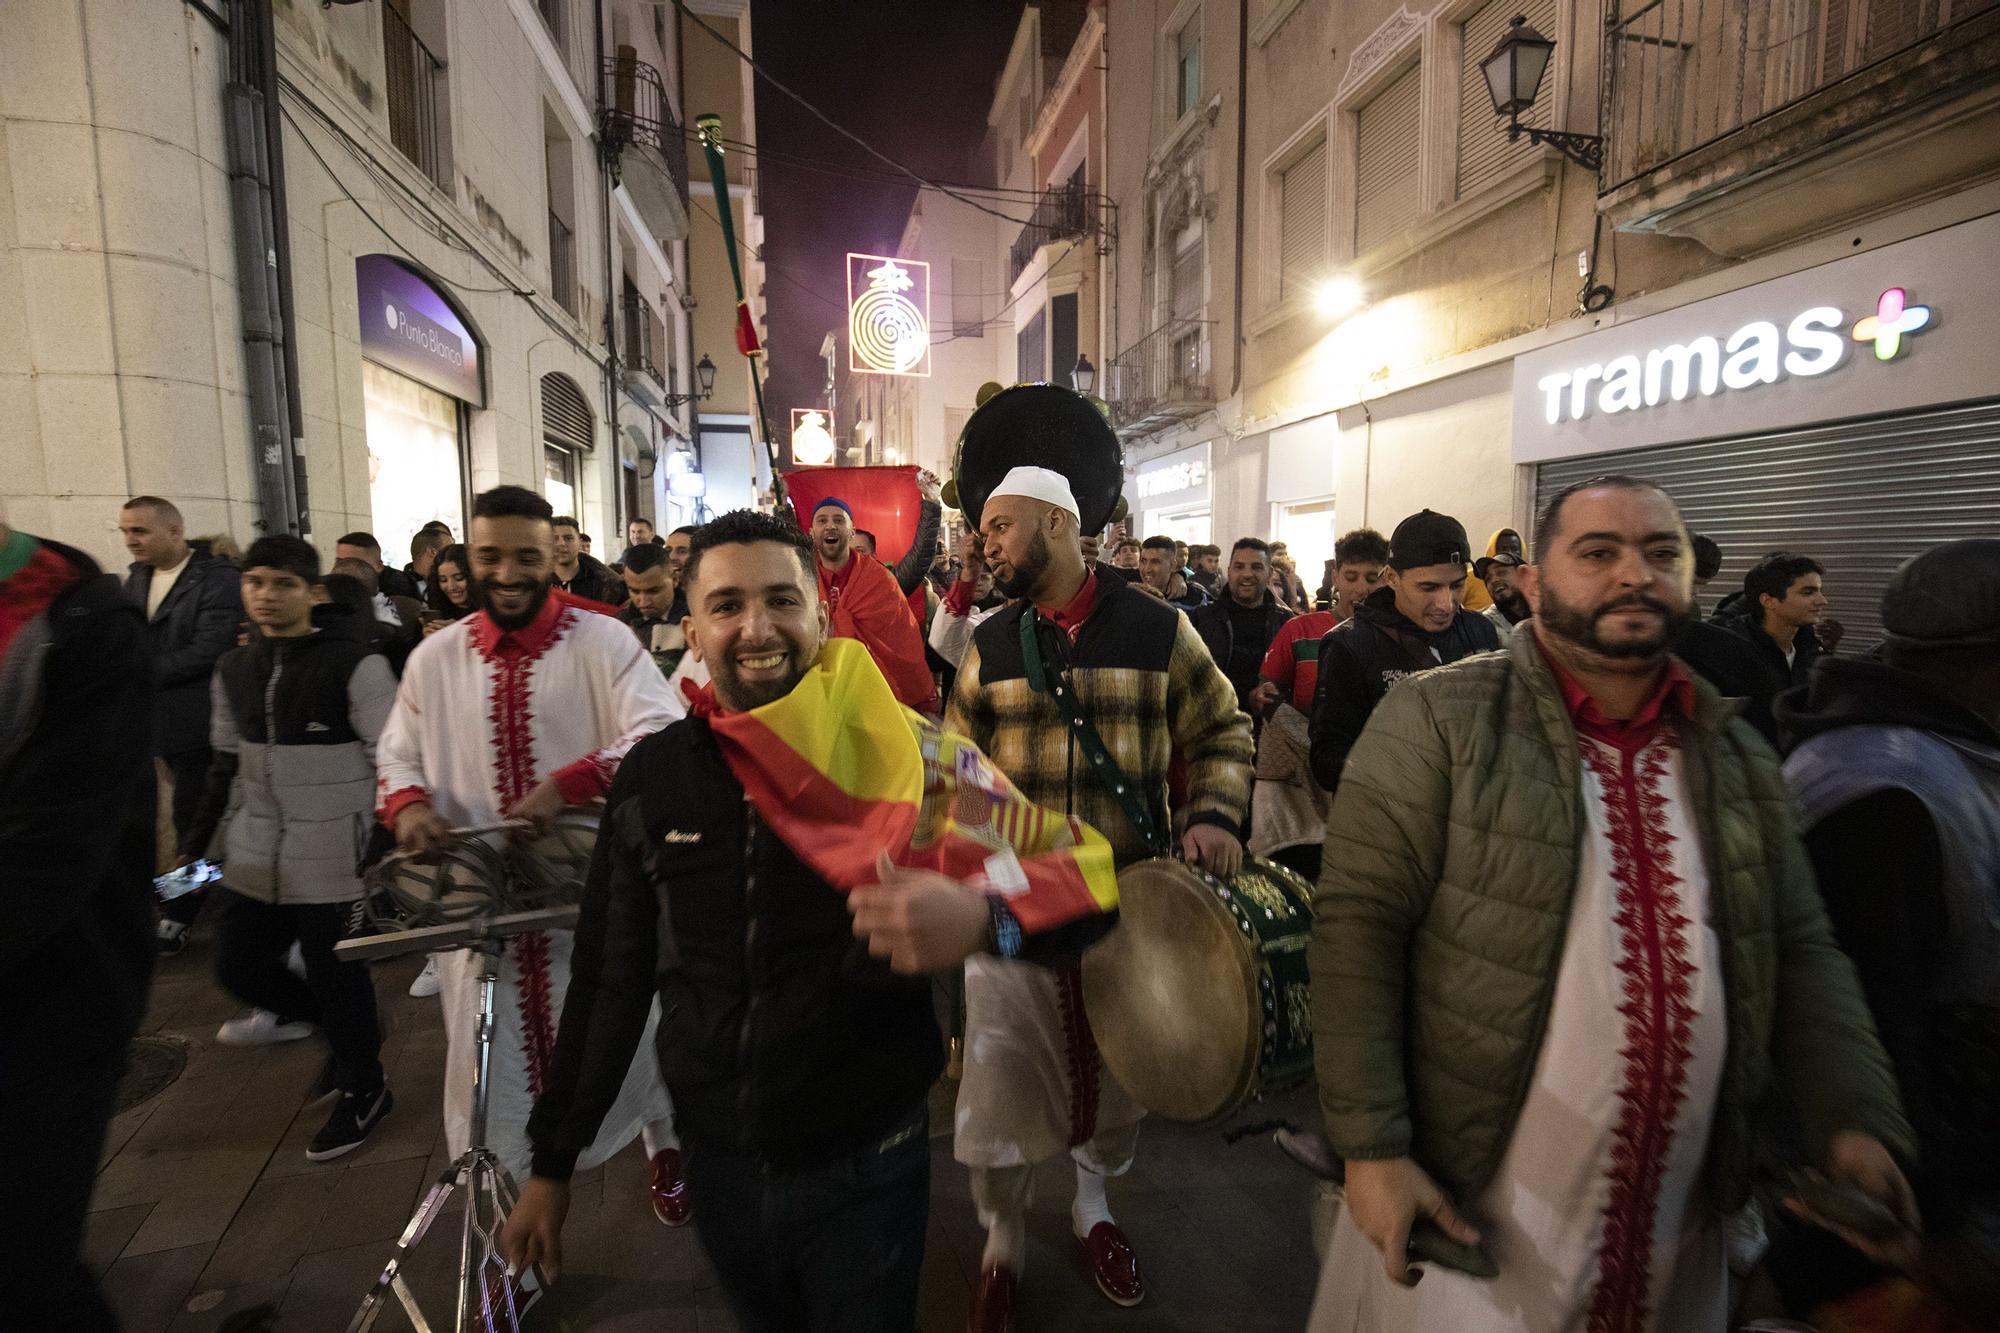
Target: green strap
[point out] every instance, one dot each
(1106, 769)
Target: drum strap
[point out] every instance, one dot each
(1055, 681)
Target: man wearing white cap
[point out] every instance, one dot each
(1034, 1084)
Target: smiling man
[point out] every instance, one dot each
(743, 851)
(518, 710)
(1566, 940)
(865, 602)
(1409, 626)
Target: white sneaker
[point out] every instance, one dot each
(295, 961)
(260, 1027)
(428, 983)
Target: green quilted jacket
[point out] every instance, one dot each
(1451, 858)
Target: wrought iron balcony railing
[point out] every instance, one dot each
(645, 336)
(1162, 378)
(562, 263)
(1684, 73)
(1059, 214)
(638, 114)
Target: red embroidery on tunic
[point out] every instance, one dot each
(1655, 975)
(538, 1029)
(1081, 1044)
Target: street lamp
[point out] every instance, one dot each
(1084, 376)
(704, 384)
(1513, 78)
(1338, 296)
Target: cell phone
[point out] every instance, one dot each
(194, 875)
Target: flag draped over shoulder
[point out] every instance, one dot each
(840, 771)
(871, 608)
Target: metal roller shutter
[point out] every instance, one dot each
(1386, 180)
(1484, 152)
(1860, 497)
(1302, 232)
(566, 417)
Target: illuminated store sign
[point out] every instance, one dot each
(1813, 343)
(888, 315)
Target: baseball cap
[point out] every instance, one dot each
(1506, 559)
(1428, 538)
(1948, 597)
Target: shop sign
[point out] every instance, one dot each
(1177, 472)
(1859, 336)
(407, 326)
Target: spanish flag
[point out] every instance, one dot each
(840, 770)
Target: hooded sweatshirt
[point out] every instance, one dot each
(1476, 597)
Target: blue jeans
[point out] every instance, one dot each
(837, 1248)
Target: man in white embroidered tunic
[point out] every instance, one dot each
(518, 710)
(1566, 934)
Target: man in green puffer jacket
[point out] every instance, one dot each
(1566, 935)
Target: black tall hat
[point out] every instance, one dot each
(1041, 425)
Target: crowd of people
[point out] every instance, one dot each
(1622, 905)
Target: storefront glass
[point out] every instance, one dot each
(414, 472)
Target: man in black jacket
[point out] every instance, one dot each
(1784, 602)
(579, 573)
(76, 836)
(799, 1062)
(1410, 625)
(194, 610)
(1239, 626)
(391, 582)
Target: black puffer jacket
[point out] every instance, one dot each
(594, 580)
(1360, 658)
(195, 625)
(779, 1036)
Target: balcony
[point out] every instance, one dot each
(1161, 379)
(562, 263)
(410, 77)
(644, 144)
(1746, 124)
(1060, 214)
(644, 344)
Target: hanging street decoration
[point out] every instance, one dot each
(888, 315)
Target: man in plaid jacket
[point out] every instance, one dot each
(1034, 1084)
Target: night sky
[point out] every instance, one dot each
(913, 78)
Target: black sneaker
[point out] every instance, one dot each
(354, 1115)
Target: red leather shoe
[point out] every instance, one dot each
(1113, 1264)
(992, 1301)
(670, 1190)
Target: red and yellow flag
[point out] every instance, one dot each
(840, 770)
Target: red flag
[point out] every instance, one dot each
(746, 331)
(884, 501)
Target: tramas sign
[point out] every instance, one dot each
(888, 315)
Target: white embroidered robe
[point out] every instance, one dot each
(480, 720)
(1595, 1217)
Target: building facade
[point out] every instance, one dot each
(481, 277)
(1410, 274)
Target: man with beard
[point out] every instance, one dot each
(1410, 626)
(515, 712)
(1508, 607)
(1530, 847)
(1034, 1085)
(742, 853)
(864, 602)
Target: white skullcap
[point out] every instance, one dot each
(1039, 483)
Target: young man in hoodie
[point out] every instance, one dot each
(76, 835)
(1409, 626)
(295, 717)
(1897, 775)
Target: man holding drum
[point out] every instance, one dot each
(1566, 936)
(1151, 698)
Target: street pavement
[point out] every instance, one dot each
(207, 1215)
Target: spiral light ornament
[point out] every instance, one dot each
(888, 332)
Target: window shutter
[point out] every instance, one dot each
(566, 418)
(1386, 179)
(1302, 221)
(1484, 154)
(1187, 295)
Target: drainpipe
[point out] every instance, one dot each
(1242, 143)
(281, 236)
(607, 175)
(247, 105)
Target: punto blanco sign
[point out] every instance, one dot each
(1855, 337)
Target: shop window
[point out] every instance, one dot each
(1387, 180)
(1302, 230)
(1485, 154)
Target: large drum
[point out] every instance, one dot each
(1199, 998)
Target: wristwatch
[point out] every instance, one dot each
(1005, 936)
